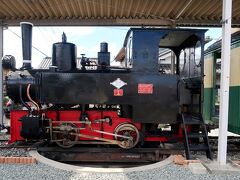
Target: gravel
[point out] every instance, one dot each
(234, 155)
(17, 152)
(42, 171)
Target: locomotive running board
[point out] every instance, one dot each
(195, 140)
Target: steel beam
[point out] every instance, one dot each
(92, 22)
(224, 86)
(121, 22)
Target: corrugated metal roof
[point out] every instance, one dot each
(116, 12)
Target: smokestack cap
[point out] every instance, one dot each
(26, 23)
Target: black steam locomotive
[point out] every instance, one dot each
(97, 103)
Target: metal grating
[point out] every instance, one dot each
(117, 12)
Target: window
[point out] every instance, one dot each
(182, 59)
(166, 61)
(129, 58)
(197, 53)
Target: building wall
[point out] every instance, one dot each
(234, 89)
(208, 88)
(234, 92)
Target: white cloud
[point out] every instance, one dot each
(92, 51)
(82, 50)
(77, 31)
(43, 38)
(12, 45)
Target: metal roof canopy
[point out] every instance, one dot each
(116, 12)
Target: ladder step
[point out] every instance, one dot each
(198, 147)
(195, 119)
(193, 122)
(196, 135)
(195, 91)
(195, 105)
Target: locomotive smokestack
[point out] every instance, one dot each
(104, 47)
(26, 28)
(103, 56)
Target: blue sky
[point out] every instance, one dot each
(87, 40)
(214, 33)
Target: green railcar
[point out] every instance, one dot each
(212, 71)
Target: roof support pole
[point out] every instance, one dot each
(224, 86)
(1, 73)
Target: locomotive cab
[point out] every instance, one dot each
(145, 50)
